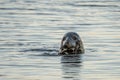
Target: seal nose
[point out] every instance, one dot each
(68, 43)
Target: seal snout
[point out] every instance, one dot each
(68, 43)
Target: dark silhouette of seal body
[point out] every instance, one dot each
(71, 44)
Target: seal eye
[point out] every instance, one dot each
(74, 38)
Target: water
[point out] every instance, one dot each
(31, 31)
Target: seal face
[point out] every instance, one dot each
(71, 44)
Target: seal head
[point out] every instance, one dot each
(71, 44)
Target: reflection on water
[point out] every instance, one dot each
(75, 58)
(71, 66)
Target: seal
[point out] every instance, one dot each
(71, 44)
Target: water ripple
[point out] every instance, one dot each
(31, 32)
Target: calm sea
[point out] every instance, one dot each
(31, 32)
